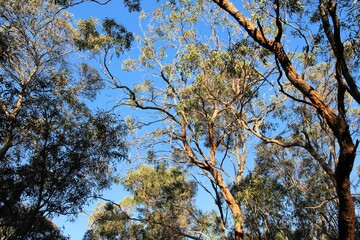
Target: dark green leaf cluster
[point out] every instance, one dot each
(41, 228)
(4, 45)
(133, 5)
(55, 152)
(115, 36)
(61, 2)
(121, 38)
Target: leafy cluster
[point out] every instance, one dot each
(115, 36)
(54, 151)
(162, 206)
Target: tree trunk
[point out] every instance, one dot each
(236, 212)
(231, 202)
(337, 123)
(346, 219)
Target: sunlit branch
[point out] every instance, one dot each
(322, 203)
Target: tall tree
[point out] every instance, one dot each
(54, 151)
(187, 85)
(162, 206)
(328, 33)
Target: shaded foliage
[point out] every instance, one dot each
(115, 36)
(289, 195)
(55, 153)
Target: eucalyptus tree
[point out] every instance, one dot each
(161, 206)
(54, 151)
(288, 195)
(196, 115)
(322, 73)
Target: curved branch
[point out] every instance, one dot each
(291, 73)
(322, 203)
(278, 21)
(337, 46)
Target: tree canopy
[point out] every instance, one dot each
(162, 206)
(257, 100)
(54, 151)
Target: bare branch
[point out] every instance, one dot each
(322, 203)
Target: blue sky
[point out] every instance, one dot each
(114, 9)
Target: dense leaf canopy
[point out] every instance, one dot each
(54, 151)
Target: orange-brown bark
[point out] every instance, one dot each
(336, 122)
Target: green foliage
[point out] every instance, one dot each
(55, 153)
(42, 228)
(288, 194)
(61, 2)
(133, 5)
(115, 36)
(90, 83)
(161, 207)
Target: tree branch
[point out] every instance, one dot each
(322, 203)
